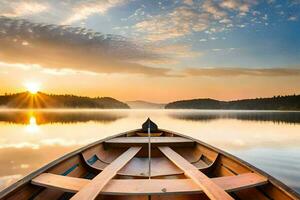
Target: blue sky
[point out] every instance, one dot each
(271, 40)
(199, 40)
(266, 35)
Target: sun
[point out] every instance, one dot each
(32, 87)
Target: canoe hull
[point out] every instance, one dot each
(89, 161)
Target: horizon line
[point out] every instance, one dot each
(195, 98)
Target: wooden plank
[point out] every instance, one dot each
(65, 183)
(160, 166)
(190, 154)
(93, 189)
(146, 186)
(276, 192)
(152, 134)
(253, 194)
(131, 141)
(233, 165)
(212, 190)
(138, 167)
(176, 186)
(200, 164)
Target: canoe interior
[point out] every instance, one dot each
(239, 179)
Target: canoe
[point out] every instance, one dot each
(154, 164)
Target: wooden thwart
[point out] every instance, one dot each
(64, 183)
(131, 141)
(93, 189)
(145, 186)
(212, 190)
(146, 134)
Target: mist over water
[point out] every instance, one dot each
(268, 140)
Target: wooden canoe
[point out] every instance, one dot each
(117, 167)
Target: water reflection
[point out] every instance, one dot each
(31, 139)
(32, 126)
(274, 116)
(39, 117)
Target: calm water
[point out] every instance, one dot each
(268, 140)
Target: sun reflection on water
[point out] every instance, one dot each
(32, 126)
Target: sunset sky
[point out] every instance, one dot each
(151, 50)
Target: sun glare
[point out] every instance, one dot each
(33, 88)
(32, 126)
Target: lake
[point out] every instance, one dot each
(267, 140)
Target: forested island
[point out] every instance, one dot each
(291, 102)
(43, 100)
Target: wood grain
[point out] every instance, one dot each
(212, 190)
(133, 141)
(93, 189)
(146, 186)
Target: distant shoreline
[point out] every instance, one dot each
(291, 102)
(26, 100)
(132, 109)
(43, 101)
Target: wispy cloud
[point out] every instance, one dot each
(293, 18)
(294, 2)
(63, 50)
(84, 9)
(226, 72)
(214, 9)
(181, 21)
(62, 47)
(188, 2)
(22, 8)
(56, 11)
(209, 16)
(175, 51)
(238, 5)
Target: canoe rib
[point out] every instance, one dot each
(146, 186)
(93, 189)
(212, 190)
(157, 165)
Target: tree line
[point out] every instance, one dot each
(291, 102)
(43, 100)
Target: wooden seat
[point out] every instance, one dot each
(212, 190)
(155, 141)
(152, 134)
(145, 186)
